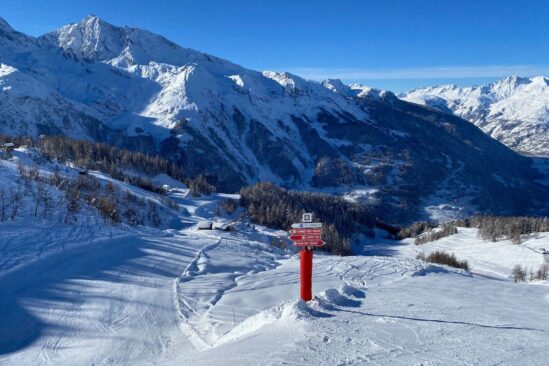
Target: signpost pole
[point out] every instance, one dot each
(306, 256)
(306, 234)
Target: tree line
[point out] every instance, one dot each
(273, 206)
(493, 228)
(523, 274)
(441, 257)
(35, 193)
(132, 167)
(513, 228)
(442, 232)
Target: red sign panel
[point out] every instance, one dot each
(309, 243)
(307, 234)
(306, 231)
(305, 237)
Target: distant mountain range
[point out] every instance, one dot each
(513, 110)
(137, 90)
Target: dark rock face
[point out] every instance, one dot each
(333, 172)
(271, 151)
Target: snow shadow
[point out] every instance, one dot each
(345, 296)
(380, 248)
(315, 313)
(430, 269)
(18, 327)
(43, 297)
(457, 322)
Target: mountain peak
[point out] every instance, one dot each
(337, 86)
(91, 17)
(286, 79)
(4, 26)
(91, 38)
(94, 21)
(513, 80)
(12, 40)
(97, 40)
(542, 80)
(508, 86)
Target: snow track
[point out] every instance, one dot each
(215, 271)
(231, 283)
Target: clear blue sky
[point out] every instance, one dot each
(390, 44)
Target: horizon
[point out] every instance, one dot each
(383, 58)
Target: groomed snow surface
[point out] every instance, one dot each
(203, 297)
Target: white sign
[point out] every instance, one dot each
(302, 225)
(307, 217)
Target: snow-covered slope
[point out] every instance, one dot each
(486, 258)
(237, 126)
(514, 110)
(38, 218)
(182, 296)
(28, 106)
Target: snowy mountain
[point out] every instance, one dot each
(513, 110)
(135, 89)
(28, 106)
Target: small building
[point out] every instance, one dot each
(204, 225)
(223, 226)
(8, 146)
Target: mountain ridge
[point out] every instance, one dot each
(513, 110)
(238, 126)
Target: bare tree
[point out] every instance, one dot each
(2, 204)
(72, 197)
(55, 179)
(15, 202)
(38, 197)
(519, 273)
(48, 203)
(543, 272)
(154, 216)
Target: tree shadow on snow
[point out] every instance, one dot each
(457, 322)
(33, 298)
(379, 248)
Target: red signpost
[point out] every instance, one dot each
(307, 234)
(306, 262)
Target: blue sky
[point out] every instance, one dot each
(390, 44)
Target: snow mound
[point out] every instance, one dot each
(349, 290)
(346, 296)
(430, 269)
(285, 313)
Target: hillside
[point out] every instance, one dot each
(125, 86)
(92, 290)
(514, 110)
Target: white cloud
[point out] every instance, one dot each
(445, 72)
